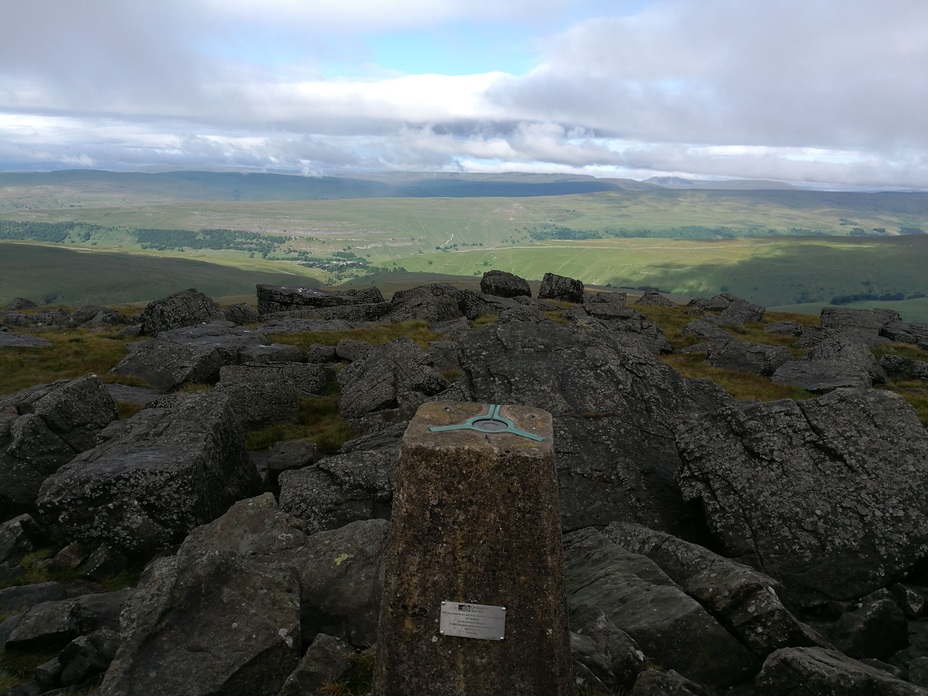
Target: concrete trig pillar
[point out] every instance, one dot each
(474, 601)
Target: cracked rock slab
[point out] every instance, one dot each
(828, 496)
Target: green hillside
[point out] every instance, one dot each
(774, 246)
(63, 276)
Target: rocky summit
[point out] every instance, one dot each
(212, 516)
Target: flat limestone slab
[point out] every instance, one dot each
(474, 599)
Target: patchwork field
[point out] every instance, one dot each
(150, 235)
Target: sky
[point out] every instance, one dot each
(824, 92)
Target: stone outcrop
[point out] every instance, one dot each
(178, 635)
(742, 599)
(820, 376)
(154, 477)
(824, 671)
(638, 598)
(43, 428)
(814, 511)
(276, 298)
(504, 284)
(827, 496)
(192, 355)
(557, 287)
(185, 308)
(263, 394)
(396, 375)
(865, 325)
(756, 358)
(900, 367)
(339, 489)
(738, 313)
(654, 297)
(614, 406)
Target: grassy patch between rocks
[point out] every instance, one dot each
(73, 353)
(319, 422)
(741, 385)
(357, 681)
(914, 391)
(416, 330)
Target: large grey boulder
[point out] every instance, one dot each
(614, 658)
(705, 329)
(784, 328)
(738, 313)
(504, 284)
(745, 356)
(339, 489)
(898, 366)
(614, 405)
(828, 496)
(19, 597)
(278, 298)
(9, 339)
(824, 672)
(18, 304)
(672, 628)
(845, 349)
(185, 308)
(432, 303)
(341, 581)
(222, 616)
(53, 624)
(192, 355)
(476, 304)
(557, 287)
(96, 315)
(241, 314)
(876, 628)
(43, 428)
(820, 376)
(658, 682)
(629, 325)
(159, 475)
(326, 660)
(905, 332)
(654, 298)
(716, 303)
(263, 394)
(742, 599)
(865, 325)
(396, 375)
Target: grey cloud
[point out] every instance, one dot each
(728, 72)
(830, 90)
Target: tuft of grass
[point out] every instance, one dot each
(8, 680)
(904, 350)
(451, 375)
(741, 385)
(195, 387)
(416, 330)
(73, 353)
(17, 667)
(556, 315)
(125, 410)
(357, 681)
(915, 391)
(319, 422)
(671, 320)
(484, 319)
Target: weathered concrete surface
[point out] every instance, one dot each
(475, 520)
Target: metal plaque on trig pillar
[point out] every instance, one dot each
(465, 620)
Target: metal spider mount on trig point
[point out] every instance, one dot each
(474, 600)
(490, 422)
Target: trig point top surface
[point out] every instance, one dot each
(442, 424)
